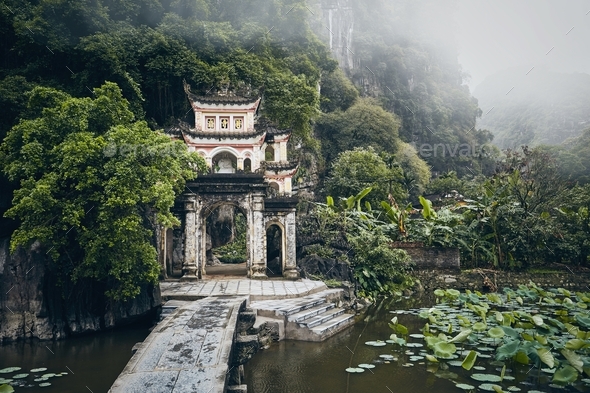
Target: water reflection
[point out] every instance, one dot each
(92, 362)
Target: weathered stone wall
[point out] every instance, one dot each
(431, 257)
(33, 305)
(431, 279)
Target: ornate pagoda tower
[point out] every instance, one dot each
(231, 138)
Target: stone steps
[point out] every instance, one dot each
(310, 318)
(321, 318)
(310, 312)
(334, 325)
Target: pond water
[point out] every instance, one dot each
(92, 362)
(303, 367)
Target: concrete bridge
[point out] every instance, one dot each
(211, 328)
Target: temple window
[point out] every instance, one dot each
(269, 153)
(238, 123)
(210, 123)
(224, 123)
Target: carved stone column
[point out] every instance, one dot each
(258, 239)
(290, 271)
(189, 267)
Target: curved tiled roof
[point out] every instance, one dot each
(278, 166)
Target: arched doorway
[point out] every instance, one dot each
(224, 162)
(274, 188)
(226, 249)
(247, 165)
(275, 251)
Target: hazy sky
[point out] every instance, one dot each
(493, 35)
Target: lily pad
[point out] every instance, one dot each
(465, 386)
(39, 370)
(9, 370)
(366, 365)
(44, 384)
(488, 387)
(486, 377)
(353, 370)
(20, 376)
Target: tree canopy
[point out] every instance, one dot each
(93, 184)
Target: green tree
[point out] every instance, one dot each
(93, 185)
(364, 124)
(416, 172)
(357, 169)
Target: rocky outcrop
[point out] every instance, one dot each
(328, 268)
(33, 304)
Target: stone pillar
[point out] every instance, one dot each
(240, 164)
(258, 238)
(190, 267)
(290, 270)
(288, 188)
(283, 151)
(278, 152)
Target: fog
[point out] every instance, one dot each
(494, 35)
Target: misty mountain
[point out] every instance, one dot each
(542, 107)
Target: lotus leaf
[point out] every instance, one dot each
(582, 320)
(461, 336)
(469, 360)
(574, 359)
(510, 332)
(431, 358)
(576, 344)
(496, 332)
(522, 358)
(6, 389)
(507, 350)
(444, 350)
(479, 326)
(546, 357)
(564, 375)
(538, 320)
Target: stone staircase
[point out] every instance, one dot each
(314, 317)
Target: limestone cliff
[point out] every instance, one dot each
(338, 19)
(33, 305)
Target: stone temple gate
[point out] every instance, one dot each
(249, 171)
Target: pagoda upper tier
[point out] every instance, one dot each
(231, 138)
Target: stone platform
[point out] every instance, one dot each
(255, 289)
(189, 351)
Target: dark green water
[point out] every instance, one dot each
(92, 362)
(302, 367)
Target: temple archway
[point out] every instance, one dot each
(226, 248)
